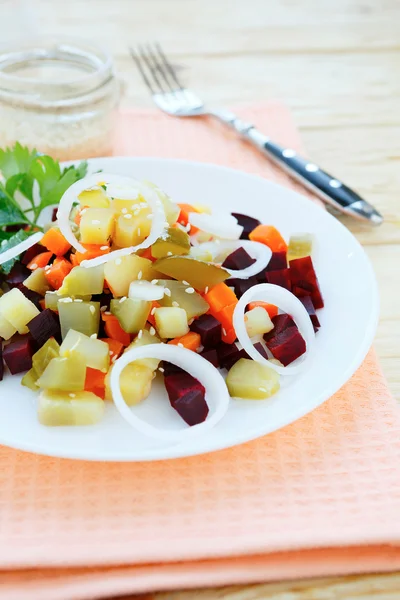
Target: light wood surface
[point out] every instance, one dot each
(337, 65)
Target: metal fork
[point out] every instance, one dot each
(173, 98)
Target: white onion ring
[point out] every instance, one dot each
(144, 290)
(260, 252)
(286, 301)
(21, 247)
(71, 194)
(221, 226)
(195, 365)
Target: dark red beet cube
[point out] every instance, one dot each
(187, 396)
(32, 252)
(303, 276)
(248, 224)
(278, 262)
(18, 354)
(281, 278)
(211, 355)
(287, 345)
(178, 384)
(44, 326)
(209, 329)
(281, 323)
(171, 369)
(261, 350)
(237, 260)
(104, 299)
(31, 295)
(1, 361)
(229, 354)
(309, 306)
(17, 275)
(241, 286)
(54, 214)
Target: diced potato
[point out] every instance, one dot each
(197, 273)
(128, 204)
(83, 282)
(300, 245)
(58, 408)
(174, 241)
(251, 380)
(171, 322)
(64, 374)
(42, 357)
(97, 225)
(131, 313)
(29, 380)
(119, 273)
(135, 383)
(125, 232)
(199, 253)
(202, 208)
(37, 282)
(17, 309)
(94, 198)
(258, 321)
(81, 316)
(6, 329)
(144, 340)
(92, 352)
(193, 304)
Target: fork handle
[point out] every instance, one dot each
(331, 190)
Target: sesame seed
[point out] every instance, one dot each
(47, 268)
(150, 216)
(34, 266)
(224, 331)
(72, 395)
(169, 253)
(140, 334)
(118, 261)
(185, 282)
(217, 241)
(134, 206)
(191, 321)
(175, 303)
(167, 292)
(103, 308)
(153, 310)
(188, 227)
(113, 359)
(83, 211)
(180, 345)
(110, 352)
(127, 216)
(206, 289)
(154, 281)
(122, 299)
(138, 231)
(93, 336)
(140, 275)
(92, 309)
(189, 290)
(103, 247)
(95, 222)
(78, 300)
(65, 300)
(107, 312)
(152, 331)
(136, 212)
(166, 224)
(262, 389)
(124, 211)
(161, 369)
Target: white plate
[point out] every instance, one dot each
(348, 324)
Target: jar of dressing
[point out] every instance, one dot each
(59, 97)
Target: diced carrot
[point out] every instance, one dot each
(229, 336)
(219, 297)
(183, 217)
(225, 317)
(92, 251)
(41, 260)
(74, 260)
(270, 236)
(151, 319)
(78, 215)
(57, 272)
(54, 241)
(95, 382)
(271, 309)
(42, 303)
(146, 253)
(114, 330)
(116, 348)
(191, 341)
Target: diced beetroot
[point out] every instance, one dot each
(281, 323)
(241, 285)
(44, 326)
(1, 361)
(187, 396)
(278, 262)
(54, 214)
(212, 356)
(260, 348)
(239, 259)
(104, 299)
(31, 295)
(229, 354)
(309, 306)
(171, 369)
(281, 278)
(287, 345)
(32, 252)
(18, 354)
(303, 276)
(17, 275)
(248, 224)
(209, 329)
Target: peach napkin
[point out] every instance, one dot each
(320, 497)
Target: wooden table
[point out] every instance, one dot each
(337, 65)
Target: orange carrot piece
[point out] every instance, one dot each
(42, 303)
(95, 382)
(57, 272)
(114, 330)
(92, 251)
(229, 336)
(78, 215)
(219, 297)
(270, 236)
(183, 217)
(54, 241)
(191, 341)
(271, 309)
(151, 319)
(41, 260)
(225, 317)
(116, 348)
(74, 260)
(146, 253)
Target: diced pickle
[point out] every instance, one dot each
(17, 309)
(258, 321)
(42, 357)
(83, 282)
(174, 241)
(29, 380)
(94, 198)
(6, 329)
(300, 245)
(56, 408)
(144, 340)
(135, 383)
(94, 353)
(251, 380)
(51, 299)
(97, 225)
(120, 273)
(197, 273)
(64, 374)
(131, 313)
(193, 304)
(37, 282)
(171, 322)
(81, 316)
(171, 209)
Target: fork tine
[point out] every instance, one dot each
(137, 58)
(168, 65)
(157, 68)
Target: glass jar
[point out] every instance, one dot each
(59, 97)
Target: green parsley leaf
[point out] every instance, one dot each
(15, 239)
(10, 212)
(16, 160)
